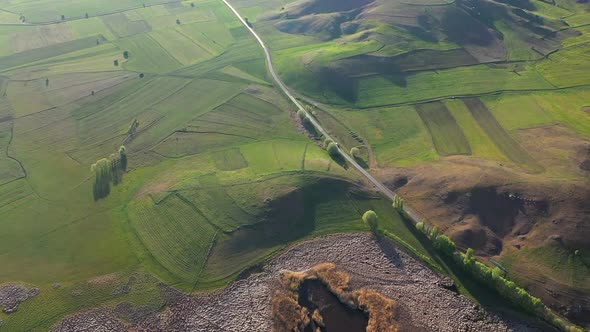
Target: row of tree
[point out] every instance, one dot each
(107, 171)
(493, 278)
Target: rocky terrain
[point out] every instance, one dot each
(12, 295)
(425, 303)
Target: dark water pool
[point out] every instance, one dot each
(337, 316)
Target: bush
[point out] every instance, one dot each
(355, 152)
(327, 142)
(333, 149)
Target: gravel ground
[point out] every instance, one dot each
(246, 305)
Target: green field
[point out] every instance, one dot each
(446, 134)
(220, 175)
(505, 143)
(214, 154)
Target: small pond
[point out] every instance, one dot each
(337, 316)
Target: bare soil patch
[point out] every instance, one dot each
(501, 211)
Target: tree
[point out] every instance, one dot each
(301, 114)
(47, 81)
(433, 233)
(98, 42)
(445, 245)
(177, 21)
(398, 203)
(115, 168)
(102, 178)
(126, 54)
(86, 15)
(327, 142)
(355, 152)
(116, 63)
(468, 259)
(141, 75)
(333, 149)
(420, 226)
(192, 4)
(123, 157)
(63, 17)
(133, 127)
(370, 218)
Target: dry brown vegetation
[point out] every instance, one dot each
(382, 310)
(288, 315)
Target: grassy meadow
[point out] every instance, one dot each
(220, 177)
(407, 99)
(216, 164)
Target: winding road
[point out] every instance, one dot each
(380, 186)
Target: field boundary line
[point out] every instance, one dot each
(474, 95)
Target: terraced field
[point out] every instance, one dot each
(175, 234)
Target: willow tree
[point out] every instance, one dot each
(123, 158)
(116, 173)
(102, 178)
(398, 203)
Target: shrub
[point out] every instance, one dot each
(355, 152)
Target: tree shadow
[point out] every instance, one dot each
(339, 159)
(361, 162)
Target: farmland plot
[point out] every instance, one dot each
(176, 234)
(446, 134)
(509, 147)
